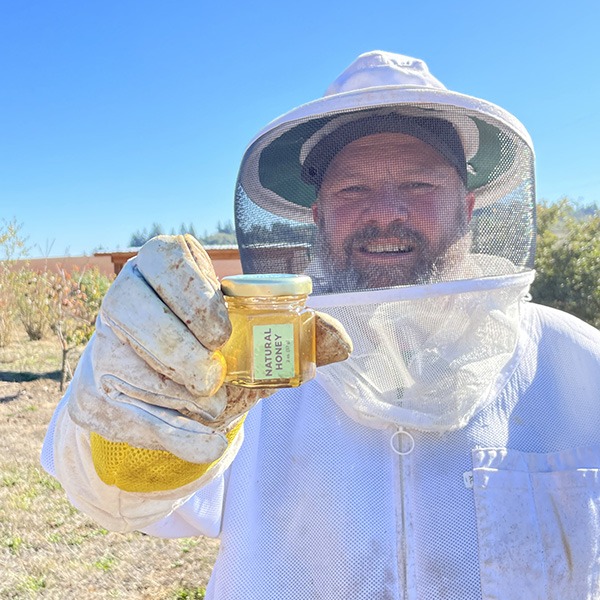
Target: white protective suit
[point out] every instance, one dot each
(455, 455)
(316, 505)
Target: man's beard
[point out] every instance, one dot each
(433, 262)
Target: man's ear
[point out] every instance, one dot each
(470, 204)
(315, 211)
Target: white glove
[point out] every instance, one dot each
(153, 356)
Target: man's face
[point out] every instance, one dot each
(391, 211)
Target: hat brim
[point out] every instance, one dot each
(271, 170)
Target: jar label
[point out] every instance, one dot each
(273, 351)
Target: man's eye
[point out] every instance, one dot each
(418, 185)
(350, 189)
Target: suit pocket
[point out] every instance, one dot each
(538, 519)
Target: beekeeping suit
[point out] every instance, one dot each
(455, 453)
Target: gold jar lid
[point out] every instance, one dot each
(267, 284)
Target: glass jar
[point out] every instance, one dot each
(272, 343)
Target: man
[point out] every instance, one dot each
(454, 454)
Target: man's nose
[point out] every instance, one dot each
(386, 205)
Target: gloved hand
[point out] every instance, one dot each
(152, 375)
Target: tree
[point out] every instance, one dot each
(12, 243)
(76, 299)
(34, 292)
(155, 230)
(227, 227)
(139, 238)
(224, 235)
(12, 247)
(191, 231)
(568, 260)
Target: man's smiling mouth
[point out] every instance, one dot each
(385, 247)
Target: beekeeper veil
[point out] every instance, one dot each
(412, 208)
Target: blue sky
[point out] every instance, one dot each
(116, 115)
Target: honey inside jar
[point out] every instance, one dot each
(272, 343)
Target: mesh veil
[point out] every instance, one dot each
(276, 234)
(424, 357)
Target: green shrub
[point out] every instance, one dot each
(12, 247)
(8, 307)
(34, 292)
(76, 299)
(190, 594)
(568, 261)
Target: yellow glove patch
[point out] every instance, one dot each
(134, 469)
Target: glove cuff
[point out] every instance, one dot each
(134, 469)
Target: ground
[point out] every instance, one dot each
(47, 548)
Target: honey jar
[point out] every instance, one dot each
(272, 343)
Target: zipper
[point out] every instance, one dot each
(402, 444)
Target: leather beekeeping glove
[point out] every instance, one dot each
(152, 375)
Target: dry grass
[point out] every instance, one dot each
(24, 360)
(47, 548)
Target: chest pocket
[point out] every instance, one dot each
(538, 519)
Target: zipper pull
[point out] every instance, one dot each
(402, 442)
